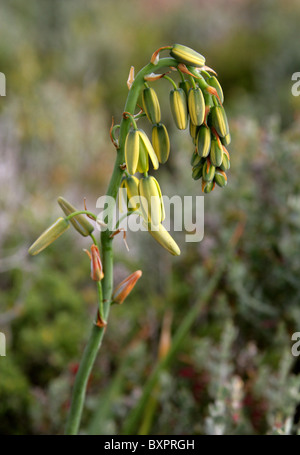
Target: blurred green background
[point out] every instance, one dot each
(66, 66)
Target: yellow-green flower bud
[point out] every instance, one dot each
(80, 222)
(226, 139)
(196, 106)
(207, 187)
(186, 55)
(162, 236)
(146, 146)
(161, 142)
(197, 171)
(208, 171)
(219, 120)
(203, 141)
(225, 161)
(220, 178)
(179, 108)
(213, 82)
(151, 200)
(216, 153)
(151, 105)
(131, 184)
(196, 159)
(132, 146)
(49, 236)
(143, 161)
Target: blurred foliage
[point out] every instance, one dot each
(66, 65)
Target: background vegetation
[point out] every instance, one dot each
(66, 65)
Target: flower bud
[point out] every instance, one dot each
(203, 141)
(96, 264)
(151, 105)
(196, 159)
(216, 152)
(179, 108)
(132, 146)
(208, 171)
(143, 161)
(213, 82)
(49, 236)
(146, 148)
(207, 187)
(196, 106)
(225, 161)
(197, 171)
(151, 200)
(161, 142)
(186, 55)
(220, 178)
(125, 287)
(226, 139)
(162, 236)
(131, 184)
(80, 222)
(219, 120)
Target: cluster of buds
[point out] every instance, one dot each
(196, 101)
(199, 101)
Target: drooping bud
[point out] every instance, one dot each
(125, 287)
(132, 146)
(186, 55)
(203, 141)
(207, 187)
(131, 184)
(162, 236)
(49, 236)
(146, 146)
(219, 120)
(213, 82)
(208, 171)
(96, 264)
(151, 200)
(196, 105)
(226, 160)
(80, 222)
(197, 171)
(179, 108)
(216, 152)
(151, 105)
(161, 142)
(143, 161)
(226, 139)
(220, 178)
(196, 159)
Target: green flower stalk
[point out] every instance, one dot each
(198, 101)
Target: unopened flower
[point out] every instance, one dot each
(96, 264)
(125, 287)
(49, 236)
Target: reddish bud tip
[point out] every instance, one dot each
(125, 287)
(96, 265)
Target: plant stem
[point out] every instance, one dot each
(97, 333)
(135, 416)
